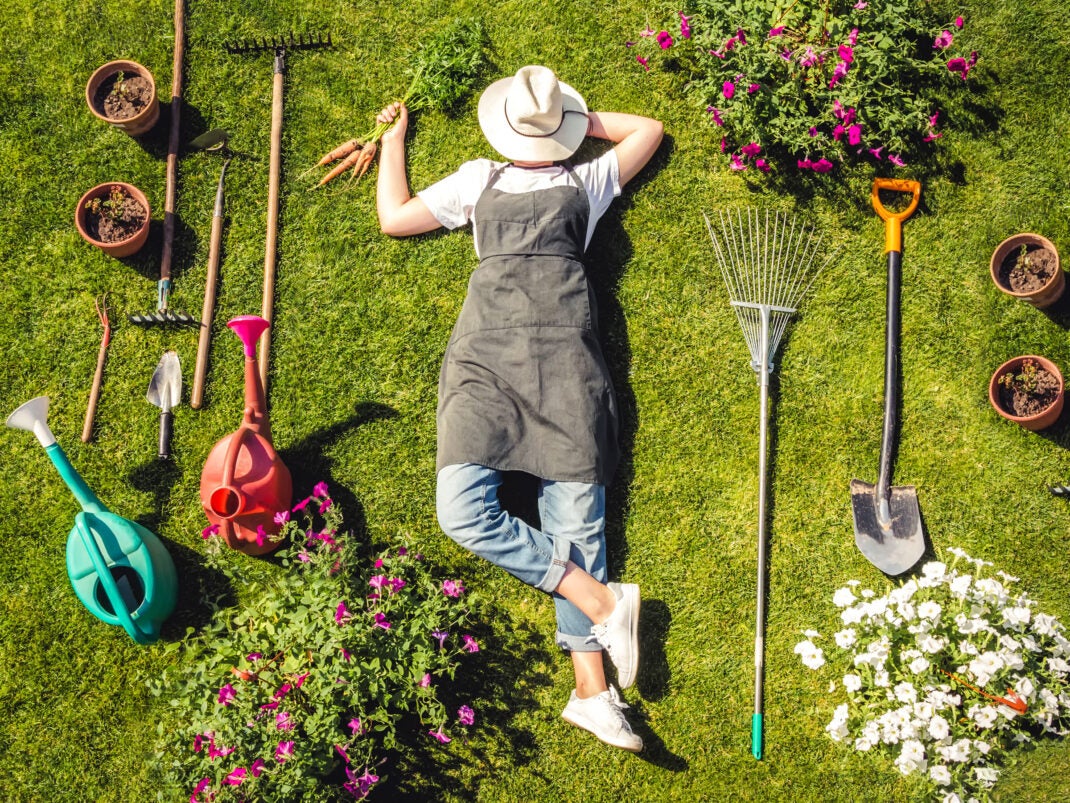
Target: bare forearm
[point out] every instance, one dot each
(636, 138)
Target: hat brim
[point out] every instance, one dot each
(518, 147)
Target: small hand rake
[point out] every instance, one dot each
(769, 263)
(279, 46)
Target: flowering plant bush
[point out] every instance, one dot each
(296, 694)
(946, 672)
(815, 83)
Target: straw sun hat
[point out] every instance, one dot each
(533, 117)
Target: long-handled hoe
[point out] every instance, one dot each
(768, 263)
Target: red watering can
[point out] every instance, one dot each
(244, 482)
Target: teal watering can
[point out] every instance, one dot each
(119, 570)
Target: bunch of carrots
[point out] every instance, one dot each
(443, 69)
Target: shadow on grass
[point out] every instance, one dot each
(488, 683)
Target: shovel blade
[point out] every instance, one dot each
(894, 548)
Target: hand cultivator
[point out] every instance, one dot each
(768, 263)
(280, 46)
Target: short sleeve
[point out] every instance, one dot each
(601, 179)
(452, 199)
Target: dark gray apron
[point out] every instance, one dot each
(524, 385)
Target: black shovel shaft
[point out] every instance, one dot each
(166, 418)
(891, 375)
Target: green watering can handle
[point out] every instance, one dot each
(112, 590)
(86, 498)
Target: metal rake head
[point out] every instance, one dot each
(768, 261)
(164, 317)
(279, 43)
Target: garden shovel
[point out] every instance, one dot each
(887, 519)
(165, 388)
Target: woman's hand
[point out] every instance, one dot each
(398, 114)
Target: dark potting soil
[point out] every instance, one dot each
(1029, 271)
(116, 104)
(106, 229)
(1023, 404)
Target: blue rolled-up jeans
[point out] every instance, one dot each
(572, 516)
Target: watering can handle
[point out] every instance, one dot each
(112, 590)
(73, 480)
(893, 221)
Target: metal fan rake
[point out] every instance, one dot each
(769, 261)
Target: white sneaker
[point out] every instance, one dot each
(603, 716)
(619, 634)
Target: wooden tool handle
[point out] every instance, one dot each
(172, 147)
(197, 394)
(94, 393)
(272, 223)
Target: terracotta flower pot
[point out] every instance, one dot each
(134, 111)
(123, 246)
(1040, 420)
(1041, 296)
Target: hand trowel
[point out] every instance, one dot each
(165, 389)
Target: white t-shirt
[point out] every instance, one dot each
(452, 200)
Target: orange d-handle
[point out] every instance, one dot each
(893, 221)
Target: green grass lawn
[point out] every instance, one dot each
(361, 322)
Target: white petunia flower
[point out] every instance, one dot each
(985, 716)
(939, 728)
(951, 797)
(811, 655)
(929, 610)
(1044, 624)
(960, 585)
(905, 692)
(852, 616)
(1016, 616)
(959, 751)
(934, 570)
(837, 728)
(846, 638)
(911, 757)
(986, 775)
(1058, 666)
(919, 665)
(931, 644)
(852, 682)
(881, 678)
(940, 775)
(843, 598)
(924, 710)
(867, 594)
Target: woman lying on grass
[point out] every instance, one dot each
(524, 385)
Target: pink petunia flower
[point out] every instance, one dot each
(452, 588)
(257, 767)
(852, 37)
(325, 505)
(664, 40)
(896, 160)
(380, 621)
(762, 165)
(226, 695)
(648, 32)
(752, 88)
(425, 681)
(237, 775)
(209, 531)
(440, 736)
(846, 52)
(751, 149)
(282, 517)
(958, 22)
(465, 715)
(302, 504)
(775, 32)
(261, 535)
(283, 721)
(876, 152)
(203, 784)
(716, 115)
(685, 25)
(341, 614)
(356, 727)
(470, 644)
(854, 134)
(839, 72)
(320, 490)
(728, 89)
(943, 40)
(643, 61)
(284, 751)
(737, 163)
(804, 164)
(860, 5)
(822, 166)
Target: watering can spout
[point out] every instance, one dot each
(33, 417)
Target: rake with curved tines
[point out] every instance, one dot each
(769, 263)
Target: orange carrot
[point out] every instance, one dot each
(341, 167)
(344, 149)
(367, 154)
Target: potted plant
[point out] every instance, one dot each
(1027, 390)
(1026, 266)
(114, 217)
(123, 93)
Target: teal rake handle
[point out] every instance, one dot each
(756, 736)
